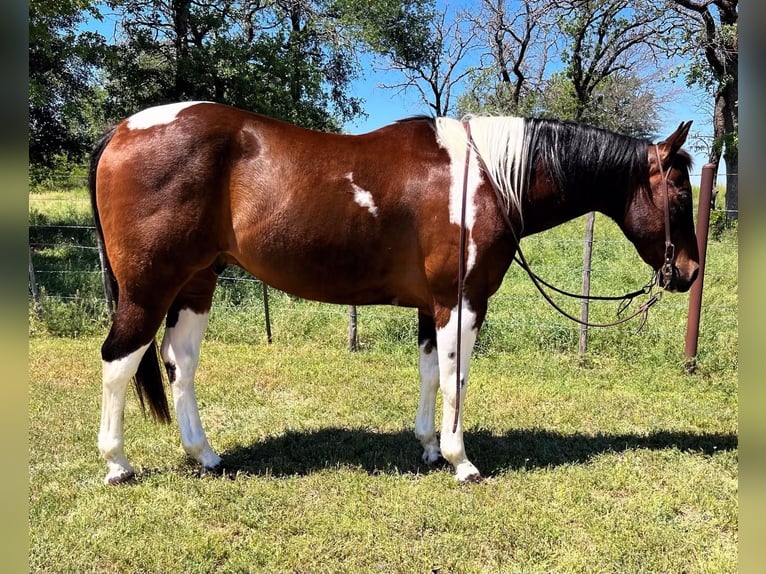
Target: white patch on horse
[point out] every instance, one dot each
(158, 115)
(451, 135)
(425, 426)
(452, 445)
(499, 141)
(362, 196)
(180, 348)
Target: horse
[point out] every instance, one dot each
(402, 215)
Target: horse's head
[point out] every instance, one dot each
(659, 220)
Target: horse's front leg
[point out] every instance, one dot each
(452, 446)
(428, 366)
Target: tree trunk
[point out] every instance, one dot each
(727, 118)
(181, 29)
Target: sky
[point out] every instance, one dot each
(385, 105)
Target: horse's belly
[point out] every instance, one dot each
(357, 271)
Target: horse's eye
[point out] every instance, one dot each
(684, 198)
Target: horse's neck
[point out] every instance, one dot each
(545, 207)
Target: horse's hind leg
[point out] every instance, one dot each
(185, 328)
(428, 366)
(125, 350)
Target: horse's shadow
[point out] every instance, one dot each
(301, 453)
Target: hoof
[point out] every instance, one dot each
(432, 456)
(472, 478)
(121, 478)
(217, 470)
(467, 472)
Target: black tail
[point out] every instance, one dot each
(148, 378)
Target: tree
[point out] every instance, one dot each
(583, 60)
(516, 43)
(609, 40)
(424, 47)
(63, 103)
(710, 41)
(291, 59)
(281, 58)
(441, 68)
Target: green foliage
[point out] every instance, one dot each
(61, 173)
(73, 317)
(400, 30)
(65, 115)
(595, 42)
(293, 61)
(720, 223)
(290, 60)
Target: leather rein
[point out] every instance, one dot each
(666, 271)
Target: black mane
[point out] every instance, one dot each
(584, 159)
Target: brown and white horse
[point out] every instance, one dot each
(182, 190)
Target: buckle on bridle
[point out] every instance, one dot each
(667, 267)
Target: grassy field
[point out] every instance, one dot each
(619, 463)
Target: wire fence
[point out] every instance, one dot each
(64, 268)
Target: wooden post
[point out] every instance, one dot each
(590, 222)
(695, 296)
(352, 332)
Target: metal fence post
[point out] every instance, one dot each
(587, 256)
(352, 333)
(266, 313)
(33, 287)
(695, 296)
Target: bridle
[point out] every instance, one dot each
(670, 250)
(665, 272)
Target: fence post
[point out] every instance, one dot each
(590, 223)
(352, 337)
(266, 312)
(695, 296)
(105, 283)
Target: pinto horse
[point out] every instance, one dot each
(180, 191)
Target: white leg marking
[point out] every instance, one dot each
(362, 196)
(452, 446)
(425, 427)
(180, 348)
(157, 115)
(115, 378)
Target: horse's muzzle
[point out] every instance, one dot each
(676, 281)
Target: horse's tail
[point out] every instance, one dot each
(148, 377)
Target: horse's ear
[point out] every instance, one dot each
(673, 143)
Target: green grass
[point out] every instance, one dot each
(621, 463)
(587, 470)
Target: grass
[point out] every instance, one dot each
(621, 463)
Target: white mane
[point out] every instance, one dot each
(499, 142)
